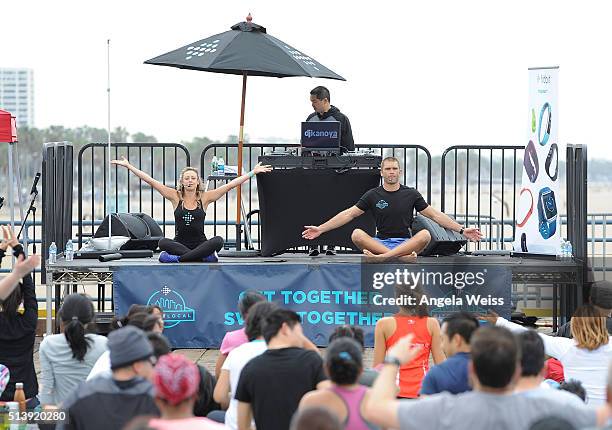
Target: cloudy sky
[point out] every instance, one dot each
(436, 73)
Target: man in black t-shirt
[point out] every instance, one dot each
(272, 384)
(393, 206)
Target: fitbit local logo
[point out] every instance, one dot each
(173, 305)
(316, 133)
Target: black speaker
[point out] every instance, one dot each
(57, 187)
(443, 241)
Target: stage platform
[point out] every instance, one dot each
(326, 290)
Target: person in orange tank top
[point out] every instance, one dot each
(412, 319)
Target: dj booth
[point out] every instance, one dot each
(309, 190)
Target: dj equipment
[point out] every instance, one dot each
(443, 240)
(346, 161)
(321, 136)
(143, 231)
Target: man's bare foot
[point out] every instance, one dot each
(412, 258)
(383, 258)
(370, 257)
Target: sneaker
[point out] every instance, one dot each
(212, 258)
(164, 257)
(330, 251)
(313, 252)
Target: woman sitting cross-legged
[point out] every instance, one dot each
(190, 201)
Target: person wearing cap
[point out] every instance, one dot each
(601, 298)
(176, 380)
(110, 403)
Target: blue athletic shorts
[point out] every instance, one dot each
(392, 242)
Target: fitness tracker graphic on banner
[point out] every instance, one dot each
(552, 162)
(547, 213)
(530, 161)
(522, 220)
(544, 124)
(540, 181)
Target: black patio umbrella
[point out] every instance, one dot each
(245, 50)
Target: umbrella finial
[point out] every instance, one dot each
(249, 18)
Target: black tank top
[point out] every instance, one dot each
(189, 225)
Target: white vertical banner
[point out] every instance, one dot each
(538, 222)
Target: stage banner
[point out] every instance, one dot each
(200, 302)
(538, 226)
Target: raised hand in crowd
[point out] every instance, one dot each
(404, 350)
(8, 238)
(22, 267)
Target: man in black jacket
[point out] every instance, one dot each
(324, 111)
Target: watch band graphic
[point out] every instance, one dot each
(547, 213)
(543, 139)
(530, 211)
(530, 161)
(552, 161)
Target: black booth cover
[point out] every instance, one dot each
(290, 199)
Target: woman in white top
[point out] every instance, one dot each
(585, 357)
(238, 358)
(67, 358)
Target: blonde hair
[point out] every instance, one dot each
(589, 328)
(180, 189)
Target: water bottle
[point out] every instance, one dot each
(221, 166)
(561, 250)
(53, 253)
(69, 250)
(214, 165)
(569, 250)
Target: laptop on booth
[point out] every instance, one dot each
(320, 136)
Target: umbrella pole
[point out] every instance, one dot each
(240, 145)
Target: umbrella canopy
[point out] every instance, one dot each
(247, 49)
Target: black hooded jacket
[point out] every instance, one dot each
(346, 134)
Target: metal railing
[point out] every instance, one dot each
(474, 178)
(163, 161)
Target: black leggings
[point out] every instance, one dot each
(198, 253)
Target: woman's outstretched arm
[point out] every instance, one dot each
(166, 191)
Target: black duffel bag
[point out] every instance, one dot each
(143, 231)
